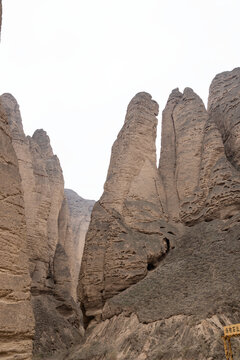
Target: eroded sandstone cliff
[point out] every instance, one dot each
(174, 306)
(52, 244)
(127, 234)
(16, 316)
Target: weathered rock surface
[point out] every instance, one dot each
(16, 317)
(224, 108)
(175, 306)
(126, 236)
(49, 237)
(199, 182)
(178, 337)
(179, 309)
(79, 218)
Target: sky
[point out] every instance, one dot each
(74, 65)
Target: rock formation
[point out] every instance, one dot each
(41, 241)
(79, 218)
(127, 235)
(199, 181)
(148, 305)
(50, 246)
(16, 317)
(159, 276)
(224, 109)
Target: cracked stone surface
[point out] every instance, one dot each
(79, 218)
(126, 232)
(16, 316)
(50, 246)
(159, 278)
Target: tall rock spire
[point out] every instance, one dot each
(224, 108)
(126, 234)
(16, 316)
(50, 248)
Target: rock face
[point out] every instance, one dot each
(16, 317)
(126, 236)
(224, 108)
(79, 218)
(160, 263)
(199, 182)
(50, 245)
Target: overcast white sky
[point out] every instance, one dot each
(74, 65)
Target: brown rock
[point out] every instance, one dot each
(49, 237)
(178, 308)
(178, 338)
(126, 235)
(195, 172)
(79, 218)
(42, 200)
(224, 109)
(16, 317)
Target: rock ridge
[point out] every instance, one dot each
(52, 242)
(162, 250)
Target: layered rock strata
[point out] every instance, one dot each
(16, 317)
(50, 248)
(174, 307)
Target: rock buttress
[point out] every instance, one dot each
(193, 292)
(16, 317)
(198, 180)
(224, 109)
(126, 237)
(49, 239)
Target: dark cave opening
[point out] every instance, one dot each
(153, 262)
(150, 266)
(86, 319)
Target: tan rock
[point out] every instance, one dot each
(179, 309)
(49, 237)
(167, 162)
(193, 166)
(79, 218)
(126, 237)
(37, 195)
(224, 109)
(16, 317)
(178, 338)
(176, 309)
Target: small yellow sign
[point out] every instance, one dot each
(231, 330)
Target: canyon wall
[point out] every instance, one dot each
(16, 316)
(160, 275)
(52, 242)
(127, 232)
